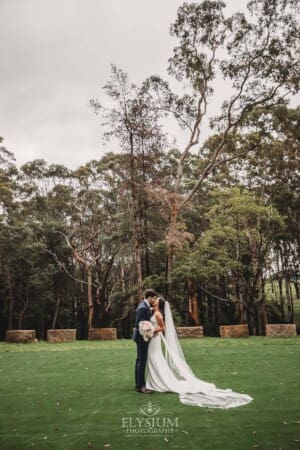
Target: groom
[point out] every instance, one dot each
(143, 312)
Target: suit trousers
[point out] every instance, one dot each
(140, 364)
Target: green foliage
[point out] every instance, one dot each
(229, 234)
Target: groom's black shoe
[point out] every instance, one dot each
(143, 390)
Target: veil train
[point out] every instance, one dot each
(192, 390)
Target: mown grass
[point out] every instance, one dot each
(75, 396)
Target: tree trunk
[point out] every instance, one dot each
(21, 316)
(261, 310)
(193, 304)
(82, 322)
(171, 239)
(90, 300)
(57, 305)
(251, 321)
(86, 268)
(170, 259)
(258, 323)
(240, 308)
(264, 316)
(138, 258)
(144, 216)
(261, 318)
(281, 298)
(11, 300)
(123, 280)
(138, 250)
(146, 247)
(289, 299)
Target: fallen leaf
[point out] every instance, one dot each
(285, 423)
(106, 445)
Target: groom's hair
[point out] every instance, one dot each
(150, 293)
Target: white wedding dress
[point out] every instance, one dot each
(168, 371)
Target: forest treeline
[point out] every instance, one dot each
(212, 226)
(68, 246)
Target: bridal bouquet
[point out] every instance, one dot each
(146, 329)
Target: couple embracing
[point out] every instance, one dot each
(161, 365)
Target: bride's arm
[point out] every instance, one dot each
(160, 321)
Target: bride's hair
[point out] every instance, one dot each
(161, 306)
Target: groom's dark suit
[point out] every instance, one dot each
(143, 312)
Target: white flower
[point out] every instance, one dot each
(146, 329)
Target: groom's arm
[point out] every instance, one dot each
(141, 314)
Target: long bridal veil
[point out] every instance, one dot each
(192, 390)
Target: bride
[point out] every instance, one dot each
(168, 371)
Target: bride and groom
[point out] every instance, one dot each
(163, 360)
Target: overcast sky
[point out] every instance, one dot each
(56, 54)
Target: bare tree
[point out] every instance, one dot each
(256, 55)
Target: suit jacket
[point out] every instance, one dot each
(143, 312)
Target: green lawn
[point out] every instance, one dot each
(77, 395)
